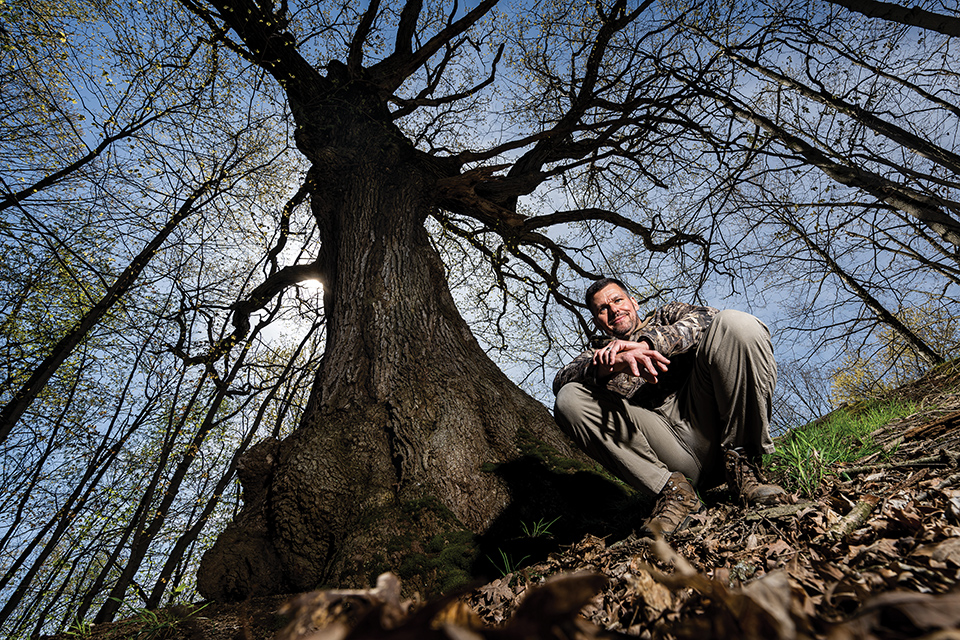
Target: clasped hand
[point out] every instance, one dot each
(636, 358)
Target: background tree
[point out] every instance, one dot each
(113, 123)
(834, 167)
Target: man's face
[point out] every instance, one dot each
(614, 312)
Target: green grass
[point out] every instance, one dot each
(805, 455)
(539, 528)
(507, 564)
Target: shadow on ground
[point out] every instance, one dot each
(552, 508)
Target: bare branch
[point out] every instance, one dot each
(927, 209)
(355, 57)
(390, 73)
(42, 373)
(914, 16)
(258, 299)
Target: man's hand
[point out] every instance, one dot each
(636, 358)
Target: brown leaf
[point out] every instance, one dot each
(881, 551)
(655, 597)
(560, 597)
(331, 614)
(901, 614)
(498, 590)
(779, 548)
(945, 551)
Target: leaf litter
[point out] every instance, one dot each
(876, 555)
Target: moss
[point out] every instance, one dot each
(433, 553)
(444, 564)
(576, 497)
(533, 449)
(278, 621)
(442, 541)
(429, 549)
(399, 542)
(416, 509)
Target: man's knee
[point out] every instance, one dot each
(739, 342)
(737, 334)
(740, 326)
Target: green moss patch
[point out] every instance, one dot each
(431, 552)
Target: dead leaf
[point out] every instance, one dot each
(945, 551)
(901, 614)
(655, 597)
(498, 590)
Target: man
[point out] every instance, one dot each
(673, 401)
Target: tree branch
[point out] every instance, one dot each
(355, 57)
(927, 209)
(678, 238)
(42, 373)
(258, 299)
(392, 71)
(269, 45)
(914, 17)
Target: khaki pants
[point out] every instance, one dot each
(725, 403)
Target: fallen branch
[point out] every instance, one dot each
(779, 511)
(943, 458)
(933, 429)
(855, 519)
(944, 483)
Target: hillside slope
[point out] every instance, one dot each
(875, 553)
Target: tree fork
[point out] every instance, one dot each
(407, 406)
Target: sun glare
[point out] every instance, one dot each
(311, 284)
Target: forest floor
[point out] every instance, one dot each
(874, 553)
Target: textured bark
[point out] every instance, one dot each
(407, 407)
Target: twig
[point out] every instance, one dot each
(779, 511)
(943, 458)
(943, 484)
(857, 516)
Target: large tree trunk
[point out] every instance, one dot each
(407, 407)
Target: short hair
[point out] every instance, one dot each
(595, 288)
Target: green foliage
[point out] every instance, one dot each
(805, 455)
(535, 533)
(893, 363)
(142, 624)
(80, 629)
(507, 564)
(539, 528)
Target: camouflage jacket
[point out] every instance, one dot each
(674, 330)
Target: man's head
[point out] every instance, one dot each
(614, 311)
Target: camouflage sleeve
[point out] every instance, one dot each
(671, 329)
(581, 369)
(676, 327)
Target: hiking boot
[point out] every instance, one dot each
(743, 478)
(676, 502)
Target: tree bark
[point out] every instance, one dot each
(406, 409)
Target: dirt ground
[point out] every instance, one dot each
(875, 554)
